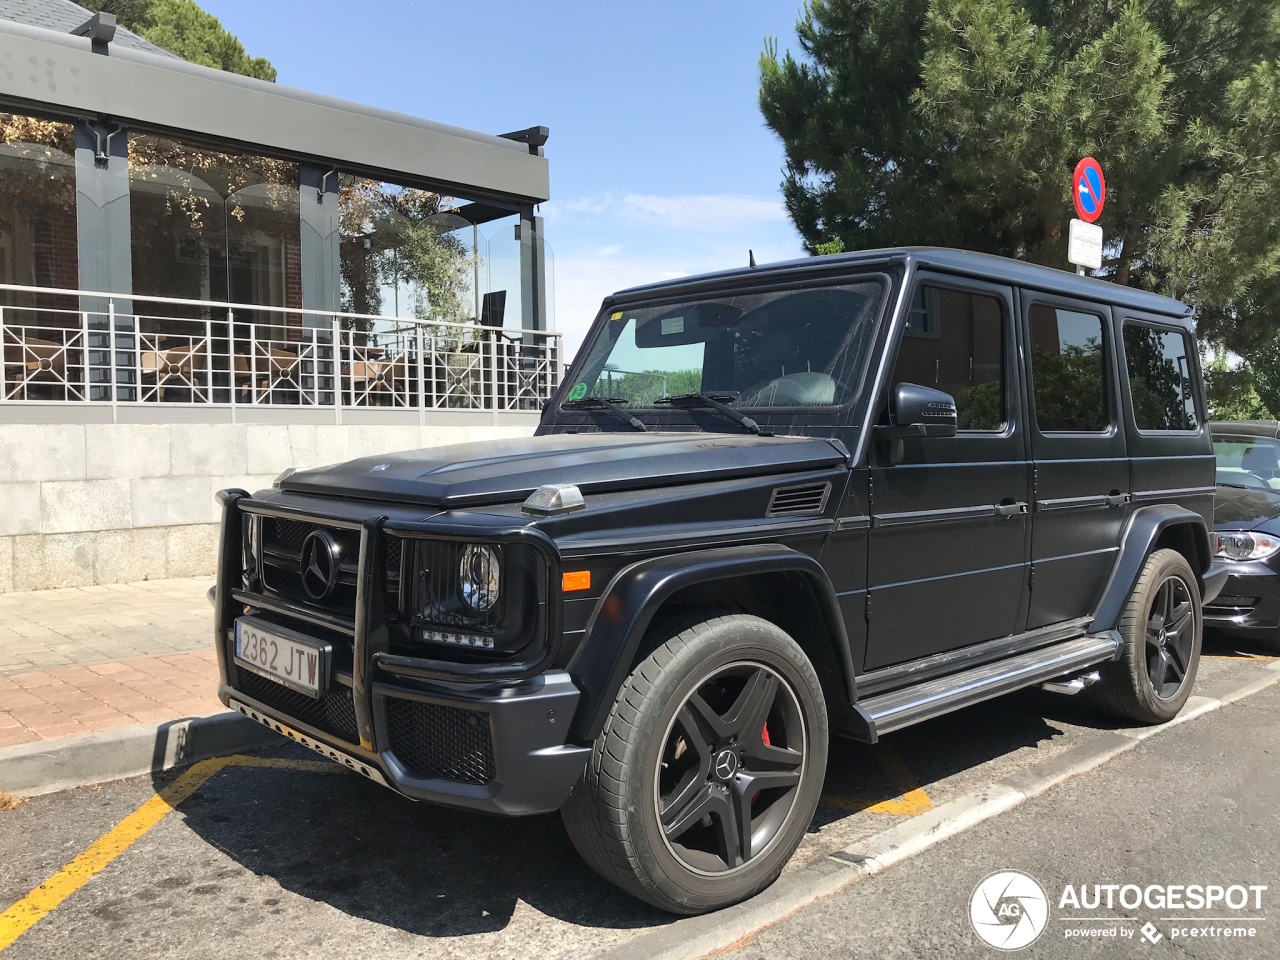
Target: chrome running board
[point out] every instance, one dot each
(901, 708)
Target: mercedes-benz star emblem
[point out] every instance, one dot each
(726, 764)
(319, 564)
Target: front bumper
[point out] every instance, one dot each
(487, 737)
(1249, 601)
(497, 749)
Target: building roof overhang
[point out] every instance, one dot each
(48, 71)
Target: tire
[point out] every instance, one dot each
(1153, 678)
(744, 685)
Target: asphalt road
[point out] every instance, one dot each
(1196, 805)
(298, 858)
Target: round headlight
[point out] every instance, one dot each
(478, 577)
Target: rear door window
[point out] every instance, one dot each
(1068, 370)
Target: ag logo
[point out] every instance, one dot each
(1008, 910)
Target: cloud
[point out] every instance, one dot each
(700, 212)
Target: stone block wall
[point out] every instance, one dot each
(110, 503)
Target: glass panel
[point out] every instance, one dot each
(1068, 371)
(783, 348)
(406, 253)
(210, 225)
(1240, 459)
(44, 352)
(954, 342)
(215, 226)
(1160, 378)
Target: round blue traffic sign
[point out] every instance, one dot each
(1089, 189)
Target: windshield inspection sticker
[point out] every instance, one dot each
(578, 392)
(616, 316)
(672, 325)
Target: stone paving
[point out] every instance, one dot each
(44, 629)
(83, 659)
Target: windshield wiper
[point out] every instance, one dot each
(713, 402)
(610, 406)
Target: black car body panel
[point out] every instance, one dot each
(505, 471)
(921, 565)
(1248, 605)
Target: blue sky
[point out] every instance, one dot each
(661, 164)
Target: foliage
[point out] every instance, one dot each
(47, 149)
(392, 235)
(1233, 393)
(958, 122)
(184, 29)
(642, 388)
(1069, 390)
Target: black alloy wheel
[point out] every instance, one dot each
(1170, 637)
(1162, 628)
(730, 768)
(708, 771)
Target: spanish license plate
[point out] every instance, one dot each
(296, 662)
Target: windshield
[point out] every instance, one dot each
(783, 348)
(1248, 462)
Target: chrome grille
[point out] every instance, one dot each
(281, 545)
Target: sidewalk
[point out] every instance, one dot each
(85, 659)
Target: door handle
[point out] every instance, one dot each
(1010, 509)
(1117, 499)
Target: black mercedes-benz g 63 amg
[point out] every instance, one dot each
(767, 506)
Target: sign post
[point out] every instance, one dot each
(1089, 193)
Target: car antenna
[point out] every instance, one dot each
(751, 259)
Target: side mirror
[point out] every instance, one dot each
(917, 411)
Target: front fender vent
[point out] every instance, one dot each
(801, 500)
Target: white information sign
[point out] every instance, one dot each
(1084, 244)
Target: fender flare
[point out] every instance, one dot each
(1144, 529)
(625, 611)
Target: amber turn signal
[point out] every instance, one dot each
(576, 580)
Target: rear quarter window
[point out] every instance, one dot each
(1161, 382)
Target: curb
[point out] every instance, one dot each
(47, 766)
(694, 937)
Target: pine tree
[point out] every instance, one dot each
(958, 122)
(184, 29)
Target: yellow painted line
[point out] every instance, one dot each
(911, 802)
(44, 899)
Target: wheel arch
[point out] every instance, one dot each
(1155, 527)
(757, 579)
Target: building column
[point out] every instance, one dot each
(320, 225)
(533, 272)
(103, 248)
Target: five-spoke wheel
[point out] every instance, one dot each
(709, 768)
(1162, 628)
(1171, 636)
(730, 768)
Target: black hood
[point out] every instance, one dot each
(504, 471)
(1243, 508)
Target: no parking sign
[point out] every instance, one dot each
(1089, 189)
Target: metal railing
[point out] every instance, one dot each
(82, 347)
